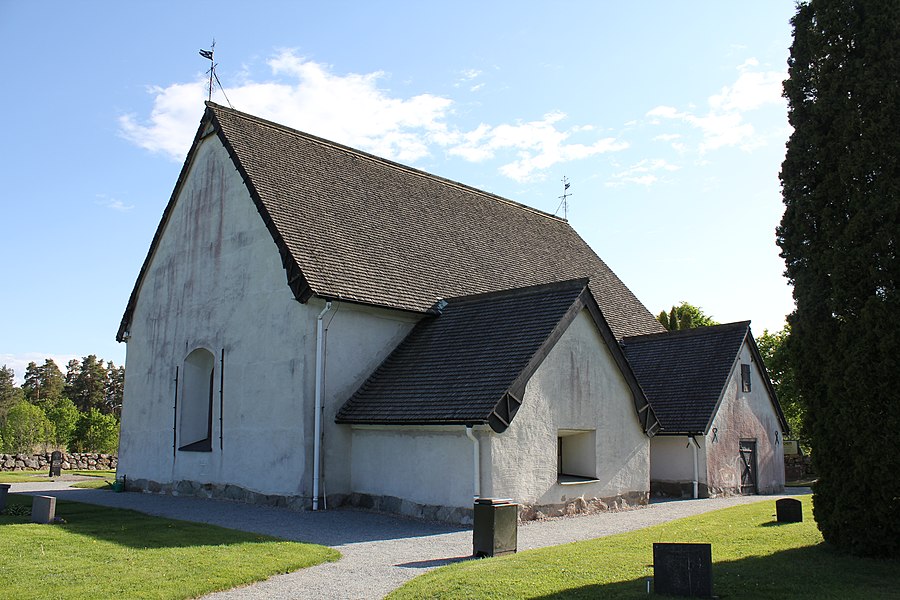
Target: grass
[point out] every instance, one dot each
(753, 555)
(94, 484)
(41, 476)
(104, 553)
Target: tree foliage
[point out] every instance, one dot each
(685, 316)
(774, 352)
(44, 384)
(838, 237)
(64, 416)
(41, 415)
(9, 393)
(97, 432)
(26, 428)
(86, 383)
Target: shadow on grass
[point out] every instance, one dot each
(130, 528)
(812, 572)
(333, 527)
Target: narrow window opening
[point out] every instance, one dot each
(576, 456)
(195, 430)
(745, 377)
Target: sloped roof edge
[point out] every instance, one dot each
(770, 389)
(747, 337)
(509, 401)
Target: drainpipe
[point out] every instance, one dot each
(695, 446)
(476, 458)
(320, 383)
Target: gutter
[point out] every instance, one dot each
(320, 384)
(476, 461)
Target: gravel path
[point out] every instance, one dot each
(380, 552)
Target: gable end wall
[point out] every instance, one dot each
(577, 387)
(215, 281)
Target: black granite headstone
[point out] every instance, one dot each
(683, 569)
(55, 463)
(789, 510)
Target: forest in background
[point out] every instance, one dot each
(76, 411)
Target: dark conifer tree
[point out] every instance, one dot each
(839, 237)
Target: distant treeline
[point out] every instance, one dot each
(77, 411)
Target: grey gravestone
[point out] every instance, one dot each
(43, 509)
(789, 510)
(55, 463)
(4, 488)
(683, 569)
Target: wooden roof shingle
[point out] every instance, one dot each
(684, 373)
(358, 228)
(470, 364)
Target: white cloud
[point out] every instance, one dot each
(538, 145)
(469, 74)
(354, 110)
(642, 173)
(113, 204)
(18, 362)
(725, 124)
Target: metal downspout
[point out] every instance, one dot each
(320, 382)
(695, 446)
(476, 461)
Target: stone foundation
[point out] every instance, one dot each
(583, 506)
(399, 506)
(387, 504)
(74, 461)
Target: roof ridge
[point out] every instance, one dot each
(687, 332)
(577, 283)
(379, 159)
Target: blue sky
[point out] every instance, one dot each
(666, 118)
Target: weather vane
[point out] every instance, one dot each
(208, 54)
(564, 199)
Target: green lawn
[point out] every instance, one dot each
(95, 484)
(105, 553)
(754, 557)
(41, 476)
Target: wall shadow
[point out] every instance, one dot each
(130, 528)
(811, 572)
(333, 527)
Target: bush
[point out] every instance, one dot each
(64, 415)
(25, 428)
(96, 432)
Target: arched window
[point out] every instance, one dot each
(195, 431)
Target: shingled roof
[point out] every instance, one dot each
(358, 228)
(470, 364)
(683, 373)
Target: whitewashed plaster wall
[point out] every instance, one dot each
(358, 339)
(426, 465)
(745, 416)
(577, 387)
(672, 459)
(216, 281)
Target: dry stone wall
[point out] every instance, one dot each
(81, 461)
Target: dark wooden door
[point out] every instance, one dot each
(748, 467)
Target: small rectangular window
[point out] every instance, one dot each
(576, 456)
(745, 377)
